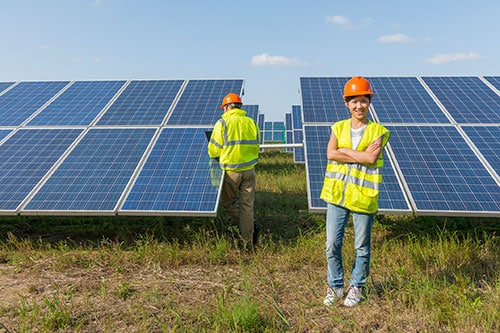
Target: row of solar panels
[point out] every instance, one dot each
(443, 157)
(110, 147)
(114, 103)
(139, 147)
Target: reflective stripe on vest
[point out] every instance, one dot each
(353, 185)
(239, 146)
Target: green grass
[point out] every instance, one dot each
(187, 274)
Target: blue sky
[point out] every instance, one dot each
(269, 43)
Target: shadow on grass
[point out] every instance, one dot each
(91, 230)
(475, 267)
(432, 226)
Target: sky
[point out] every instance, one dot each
(268, 43)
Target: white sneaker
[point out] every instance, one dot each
(332, 295)
(353, 296)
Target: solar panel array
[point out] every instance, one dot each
(443, 155)
(274, 131)
(129, 147)
(298, 136)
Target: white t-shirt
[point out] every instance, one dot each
(356, 135)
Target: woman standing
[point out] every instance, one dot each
(351, 187)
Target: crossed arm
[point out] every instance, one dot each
(347, 155)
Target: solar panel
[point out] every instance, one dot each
(24, 99)
(288, 121)
(298, 153)
(443, 174)
(322, 100)
(296, 117)
(252, 111)
(178, 177)
(5, 85)
(279, 131)
(431, 169)
(78, 105)
(25, 158)
(4, 133)
(404, 100)
(142, 103)
(274, 131)
(94, 175)
(487, 140)
(467, 99)
(392, 198)
(200, 101)
(494, 80)
(261, 124)
(289, 130)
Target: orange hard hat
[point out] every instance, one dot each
(230, 98)
(357, 86)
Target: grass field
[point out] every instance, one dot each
(173, 274)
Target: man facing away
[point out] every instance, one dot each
(235, 142)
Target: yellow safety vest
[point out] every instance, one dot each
(235, 141)
(355, 186)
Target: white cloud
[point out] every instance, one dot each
(453, 57)
(395, 38)
(345, 23)
(265, 59)
(337, 19)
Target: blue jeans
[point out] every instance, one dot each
(336, 220)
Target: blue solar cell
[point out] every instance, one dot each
(26, 157)
(487, 140)
(95, 174)
(279, 136)
(322, 100)
(200, 101)
(178, 176)
(261, 121)
(78, 105)
(442, 172)
(274, 131)
(467, 99)
(297, 117)
(289, 139)
(252, 111)
(142, 103)
(494, 80)
(404, 100)
(288, 121)
(20, 102)
(298, 153)
(391, 197)
(4, 133)
(5, 85)
(278, 125)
